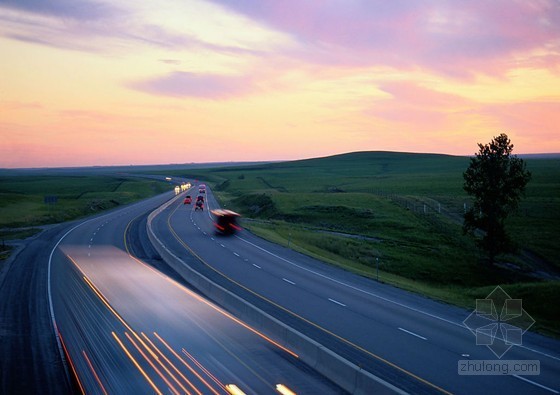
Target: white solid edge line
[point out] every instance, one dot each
(412, 333)
(382, 297)
(537, 384)
(49, 291)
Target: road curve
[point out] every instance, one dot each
(125, 327)
(410, 341)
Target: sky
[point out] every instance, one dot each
(93, 82)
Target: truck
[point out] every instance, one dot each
(202, 188)
(225, 221)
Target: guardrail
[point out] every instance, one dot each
(344, 373)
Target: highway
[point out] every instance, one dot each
(410, 341)
(125, 327)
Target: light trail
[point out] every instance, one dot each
(186, 364)
(201, 367)
(173, 366)
(136, 364)
(169, 384)
(71, 363)
(234, 390)
(284, 390)
(94, 372)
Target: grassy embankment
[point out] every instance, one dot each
(405, 210)
(23, 207)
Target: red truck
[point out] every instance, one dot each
(225, 221)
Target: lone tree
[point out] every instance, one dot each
(496, 179)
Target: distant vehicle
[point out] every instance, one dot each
(167, 178)
(199, 205)
(202, 188)
(200, 198)
(188, 200)
(225, 221)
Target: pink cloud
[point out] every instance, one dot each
(415, 105)
(207, 86)
(417, 115)
(456, 38)
(536, 123)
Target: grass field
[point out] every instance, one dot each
(405, 212)
(22, 198)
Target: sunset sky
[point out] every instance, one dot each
(174, 81)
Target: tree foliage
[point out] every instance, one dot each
(496, 179)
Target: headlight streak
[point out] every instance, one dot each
(136, 364)
(169, 384)
(94, 372)
(239, 360)
(117, 315)
(204, 301)
(71, 363)
(142, 340)
(234, 390)
(201, 367)
(174, 367)
(191, 369)
(284, 390)
(106, 303)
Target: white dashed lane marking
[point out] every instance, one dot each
(337, 302)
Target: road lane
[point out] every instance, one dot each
(127, 328)
(373, 313)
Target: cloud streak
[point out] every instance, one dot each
(186, 84)
(81, 10)
(455, 38)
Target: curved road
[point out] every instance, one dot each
(127, 328)
(410, 341)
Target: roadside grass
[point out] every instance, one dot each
(22, 198)
(12, 234)
(5, 251)
(406, 210)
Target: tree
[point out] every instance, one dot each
(496, 179)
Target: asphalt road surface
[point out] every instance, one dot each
(413, 342)
(127, 328)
